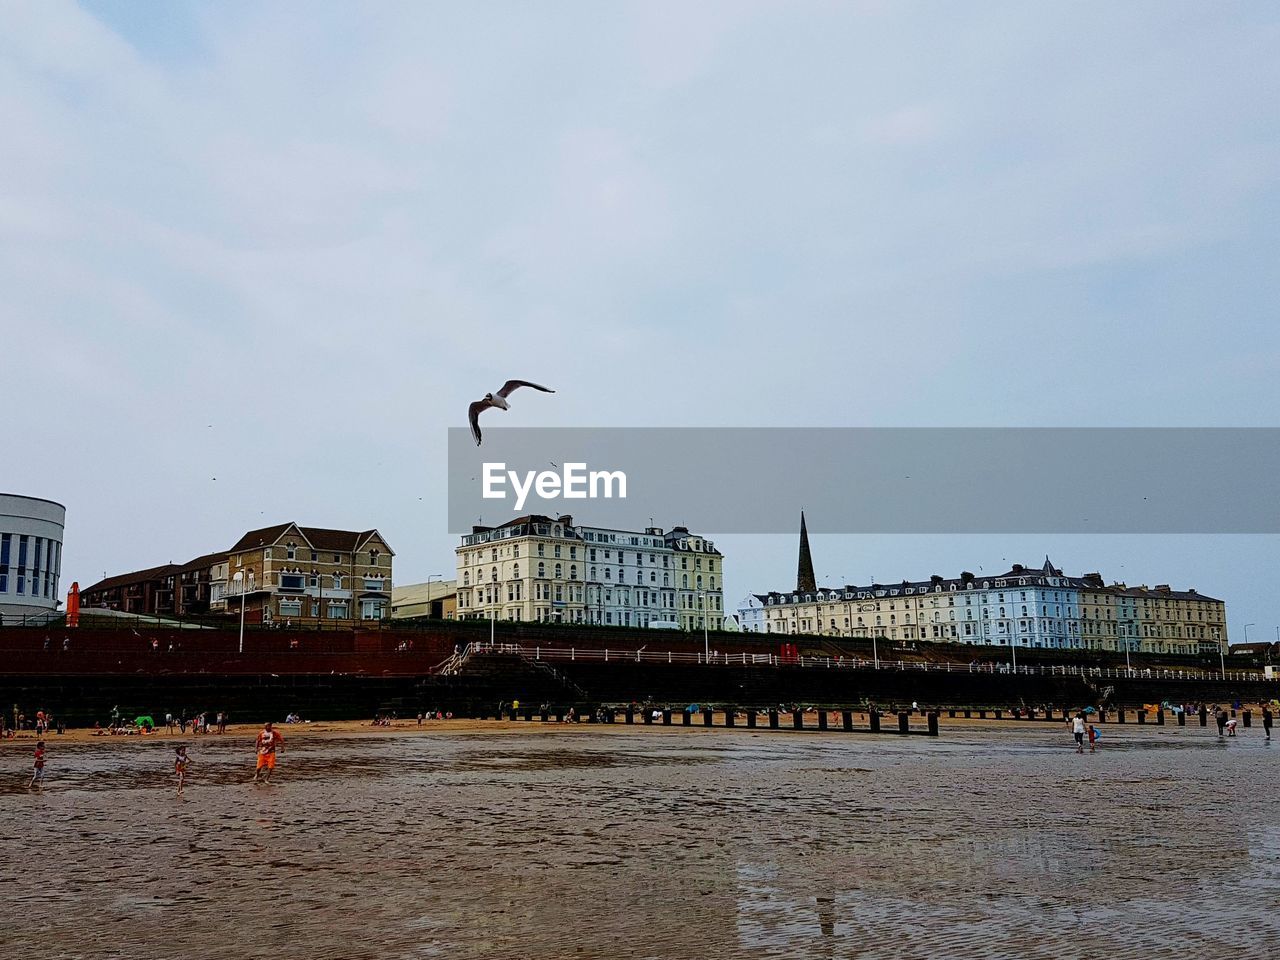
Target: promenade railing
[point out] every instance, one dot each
(714, 659)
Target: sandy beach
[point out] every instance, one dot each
(459, 727)
(475, 839)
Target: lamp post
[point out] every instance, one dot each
(239, 579)
(1120, 625)
(706, 638)
(1222, 660)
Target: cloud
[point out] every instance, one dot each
(328, 227)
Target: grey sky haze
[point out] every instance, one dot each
(284, 245)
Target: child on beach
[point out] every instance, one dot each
(181, 763)
(1094, 737)
(37, 771)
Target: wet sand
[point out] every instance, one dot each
(481, 839)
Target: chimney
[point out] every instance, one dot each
(966, 577)
(935, 579)
(1018, 568)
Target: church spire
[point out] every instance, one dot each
(805, 582)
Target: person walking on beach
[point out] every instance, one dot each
(1094, 737)
(1266, 720)
(181, 763)
(37, 769)
(1220, 716)
(1077, 730)
(268, 742)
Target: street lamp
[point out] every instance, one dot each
(706, 640)
(1222, 659)
(1120, 624)
(239, 579)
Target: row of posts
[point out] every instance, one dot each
(1120, 715)
(874, 718)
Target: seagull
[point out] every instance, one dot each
(498, 399)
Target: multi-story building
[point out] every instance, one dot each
(308, 575)
(1164, 620)
(751, 614)
(139, 592)
(30, 556)
(1026, 606)
(544, 569)
(185, 589)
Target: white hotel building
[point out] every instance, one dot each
(551, 570)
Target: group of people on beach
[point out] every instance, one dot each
(1226, 724)
(266, 745)
(43, 723)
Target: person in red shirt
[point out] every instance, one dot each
(269, 741)
(37, 772)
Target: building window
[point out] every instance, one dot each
(291, 552)
(290, 608)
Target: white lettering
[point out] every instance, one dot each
(575, 481)
(609, 476)
(521, 491)
(548, 485)
(494, 474)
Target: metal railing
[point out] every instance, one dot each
(605, 655)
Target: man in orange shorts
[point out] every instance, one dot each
(269, 741)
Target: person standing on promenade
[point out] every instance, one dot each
(1077, 730)
(37, 769)
(268, 742)
(1266, 720)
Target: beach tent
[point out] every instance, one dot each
(144, 721)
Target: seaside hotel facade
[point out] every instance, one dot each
(1037, 607)
(548, 569)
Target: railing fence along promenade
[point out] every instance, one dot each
(605, 655)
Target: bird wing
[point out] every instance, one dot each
(511, 385)
(473, 416)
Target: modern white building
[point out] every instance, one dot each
(30, 556)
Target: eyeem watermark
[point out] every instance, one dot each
(573, 482)
(921, 480)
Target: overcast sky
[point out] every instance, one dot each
(256, 257)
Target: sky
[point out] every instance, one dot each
(257, 258)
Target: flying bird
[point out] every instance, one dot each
(499, 400)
